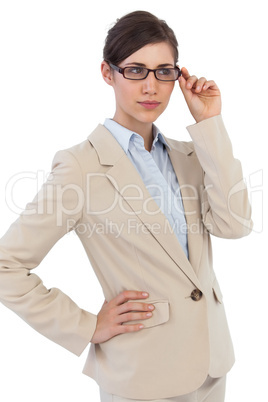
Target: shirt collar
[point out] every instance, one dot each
(123, 135)
(158, 136)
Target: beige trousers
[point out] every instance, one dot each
(213, 390)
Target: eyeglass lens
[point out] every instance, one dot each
(139, 73)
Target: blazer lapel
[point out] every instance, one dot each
(188, 171)
(127, 181)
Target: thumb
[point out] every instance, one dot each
(186, 92)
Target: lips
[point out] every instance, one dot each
(150, 104)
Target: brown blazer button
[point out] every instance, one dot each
(196, 295)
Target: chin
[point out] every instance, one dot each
(150, 117)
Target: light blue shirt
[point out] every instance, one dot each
(158, 175)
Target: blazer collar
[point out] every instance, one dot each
(122, 173)
(103, 142)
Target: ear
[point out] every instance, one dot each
(107, 73)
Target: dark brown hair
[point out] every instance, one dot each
(133, 31)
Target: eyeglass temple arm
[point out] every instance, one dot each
(120, 70)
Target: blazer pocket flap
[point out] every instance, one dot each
(217, 291)
(160, 314)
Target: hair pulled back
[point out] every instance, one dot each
(133, 31)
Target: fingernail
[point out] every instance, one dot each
(145, 294)
(198, 88)
(188, 85)
(141, 326)
(150, 307)
(148, 314)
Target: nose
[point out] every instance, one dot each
(150, 84)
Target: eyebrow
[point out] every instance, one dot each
(144, 65)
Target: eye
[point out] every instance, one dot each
(135, 70)
(165, 71)
(135, 73)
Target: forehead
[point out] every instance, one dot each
(152, 55)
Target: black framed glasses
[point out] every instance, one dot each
(140, 73)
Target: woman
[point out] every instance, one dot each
(144, 207)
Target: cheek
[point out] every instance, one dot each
(171, 87)
(169, 90)
(125, 93)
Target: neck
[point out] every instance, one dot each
(147, 135)
(145, 130)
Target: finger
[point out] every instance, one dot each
(128, 295)
(133, 317)
(190, 79)
(199, 85)
(191, 82)
(210, 84)
(130, 306)
(185, 73)
(122, 329)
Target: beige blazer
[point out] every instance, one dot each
(95, 190)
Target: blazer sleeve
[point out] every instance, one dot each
(26, 243)
(225, 207)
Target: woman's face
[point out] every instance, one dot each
(133, 109)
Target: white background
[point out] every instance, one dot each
(52, 95)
